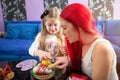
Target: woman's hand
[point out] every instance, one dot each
(61, 62)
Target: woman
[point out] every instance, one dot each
(88, 51)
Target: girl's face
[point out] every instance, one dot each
(69, 31)
(52, 25)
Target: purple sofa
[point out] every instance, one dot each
(111, 31)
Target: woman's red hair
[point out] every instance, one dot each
(80, 17)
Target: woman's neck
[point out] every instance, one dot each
(89, 39)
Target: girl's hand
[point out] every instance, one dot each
(44, 55)
(61, 62)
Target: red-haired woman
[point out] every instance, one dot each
(88, 51)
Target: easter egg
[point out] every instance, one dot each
(45, 62)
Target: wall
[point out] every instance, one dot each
(116, 9)
(34, 9)
(85, 2)
(1, 19)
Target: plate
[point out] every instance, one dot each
(26, 64)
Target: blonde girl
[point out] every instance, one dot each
(48, 42)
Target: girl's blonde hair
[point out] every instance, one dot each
(50, 13)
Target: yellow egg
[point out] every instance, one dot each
(49, 65)
(45, 62)
(8, 75)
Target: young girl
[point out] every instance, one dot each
(48, 42)
(49, 39)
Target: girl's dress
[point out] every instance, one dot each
(51, 44)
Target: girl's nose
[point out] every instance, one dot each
(54, 28)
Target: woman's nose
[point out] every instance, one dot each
(62, 31)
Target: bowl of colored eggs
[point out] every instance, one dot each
(41, 70)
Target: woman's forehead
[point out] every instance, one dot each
(62, 21)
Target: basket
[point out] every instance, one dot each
(43, 77)
(11, 76)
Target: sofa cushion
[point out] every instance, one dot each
(21, 30)
(28, 31)
(13, 31)
(112, 28)
(114, 39)
(99, 28)
(14, 47)
(99, 25)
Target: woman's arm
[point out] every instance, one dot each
(61, 62)
(102, 58)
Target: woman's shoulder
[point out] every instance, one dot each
(103, 47)
(102, 42)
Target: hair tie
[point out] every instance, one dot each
(44, 14)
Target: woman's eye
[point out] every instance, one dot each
(64, 27)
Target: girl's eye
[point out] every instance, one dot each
(55, 24)
(49, 24)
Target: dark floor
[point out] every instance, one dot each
(21, 75)
(3, 63)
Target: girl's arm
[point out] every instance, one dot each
(102, 58)
(33, 50)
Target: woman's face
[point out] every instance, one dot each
(52, 25)
(69, 31)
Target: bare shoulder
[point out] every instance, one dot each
(103, 46)
(103, 50)
(102, 60)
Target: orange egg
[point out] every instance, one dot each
(45, 62)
